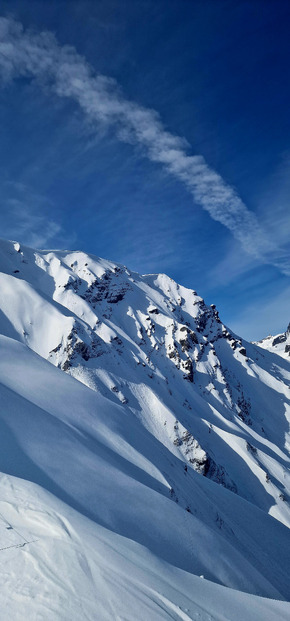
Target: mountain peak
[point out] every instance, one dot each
(154, 419)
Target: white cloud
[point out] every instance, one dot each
(68, 75)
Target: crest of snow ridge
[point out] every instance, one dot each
(158, 350)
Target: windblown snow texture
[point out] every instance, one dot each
(144, 450)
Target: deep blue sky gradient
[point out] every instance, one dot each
(218, 74)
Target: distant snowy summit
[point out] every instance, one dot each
(279, 344)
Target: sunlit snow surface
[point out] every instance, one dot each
(151, 470)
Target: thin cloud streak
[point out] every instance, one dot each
(24, 217)
(68, 75)
(278, 307)
(32, 229)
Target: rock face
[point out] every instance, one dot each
(156, 348)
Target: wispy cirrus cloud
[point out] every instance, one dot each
(68, 75)
(24, 216)
(276, 306)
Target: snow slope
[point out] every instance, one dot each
(160, 455)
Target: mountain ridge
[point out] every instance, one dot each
(184, 424)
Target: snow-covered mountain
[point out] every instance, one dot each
(279, 344)
(144, 450)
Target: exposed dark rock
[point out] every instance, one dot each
(72, 283)
(193, 337)
(66, 365)
(82, 349)
(106, 289)
(56, 349)
(188, 368)
(117, 340)
(244, 409)
(217, 473)
(185, 345)
(281, 338)
(113, 298)
(251, 449)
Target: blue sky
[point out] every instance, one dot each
(160, 140)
